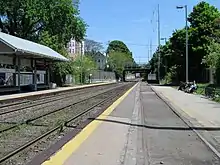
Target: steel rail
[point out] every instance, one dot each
(28, 144)
(38, 102)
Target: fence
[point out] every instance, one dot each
(101, 76)
(94, 76)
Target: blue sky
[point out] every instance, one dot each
(134, 23)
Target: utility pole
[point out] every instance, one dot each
(187, 54)
(148, 54)
(151, 55)
(186, 19)
(158, 21)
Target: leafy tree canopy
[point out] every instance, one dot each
(49, 22)
(29, 19)
(118, 46)
(118, 60)
(204, 36)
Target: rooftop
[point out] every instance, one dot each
(21, 46)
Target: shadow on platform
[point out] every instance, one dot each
(160, 127)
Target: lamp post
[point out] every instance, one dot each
(187, 65)
(158, 21)
(90, 78)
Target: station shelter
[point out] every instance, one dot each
(24, 63)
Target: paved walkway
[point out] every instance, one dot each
(199, 113)
(137, 129)
(105, 140)
(206, 112)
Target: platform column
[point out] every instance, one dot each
(47, 76)
(19, 73)
(34, 74)
(14, 74)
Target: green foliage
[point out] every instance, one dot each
(49, 22)
(204, 30)
(118, 60)
(83, 65)
(118, 46)
(28, 19)
(171, 76)
(119, 57)
(213, 58)
(202, 21)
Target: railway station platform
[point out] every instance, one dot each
(138, 129)
(18, 96)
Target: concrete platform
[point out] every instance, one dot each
(138, 129)
(200, 113)
(44, 92)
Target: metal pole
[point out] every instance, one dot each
(159, 43)
(148, 54)
(187, 65)
(165, 39)
(151, 48)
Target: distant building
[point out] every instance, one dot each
(100, 60)
(75, 48)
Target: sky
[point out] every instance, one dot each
(134, 23)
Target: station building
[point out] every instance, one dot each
(24, 63)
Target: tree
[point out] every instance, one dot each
(202, 21)
(118, 46)
(29, 20)
(117, 61)
(92, 46)
(83, 65)
(49, 22)
(203, 32)
(213, 60)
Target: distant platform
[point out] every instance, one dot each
(6, 98)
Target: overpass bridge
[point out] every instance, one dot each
(136, 69)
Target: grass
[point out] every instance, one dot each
(201, 91)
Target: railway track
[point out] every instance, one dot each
(12, 120)
(76, 109)
(30, 99)
(20, 115)
(16, 106)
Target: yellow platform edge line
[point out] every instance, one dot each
(67, 150)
